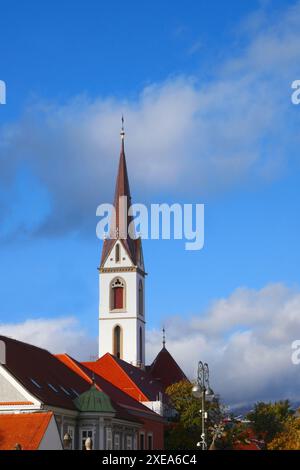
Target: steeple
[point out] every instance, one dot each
(122, 202)
(122, 279)
(122, 190)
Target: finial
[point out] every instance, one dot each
(122, 133)
(164, 337)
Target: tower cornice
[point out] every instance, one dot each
(119, 269)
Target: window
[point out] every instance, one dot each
(128, 442)
(85, 433)
(108, 439)
(70, 431)
(141, 298)
(64, 390)
(141, 344)
(117, 252)
(117, 341)
(36, 383)
(117, 442)
(118, 298)
(150, 441)
(142, 441)
(117, 295)
(53, 388)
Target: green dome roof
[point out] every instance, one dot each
(94, 400)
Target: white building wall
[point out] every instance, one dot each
(156, 406)
(51, 439)
(128, 319)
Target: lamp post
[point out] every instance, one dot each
(202, 391)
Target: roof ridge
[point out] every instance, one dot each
(29, 345)
(75, 363)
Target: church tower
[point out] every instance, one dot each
(122, 281)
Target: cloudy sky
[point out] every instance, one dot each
(205, 88)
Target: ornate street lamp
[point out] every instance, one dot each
(203, 391)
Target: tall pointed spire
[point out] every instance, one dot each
(122, 202)
(122, 191)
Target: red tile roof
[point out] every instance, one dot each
(57, 381)
(165, 369)
(26, 429)
(246, 446)
(120, 399)
(132, 380)
(14, 403)
(249, 441)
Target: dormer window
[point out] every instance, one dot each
(117, 253)
(117, 294)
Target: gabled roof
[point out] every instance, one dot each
(52, 380)
(119, 230)
(165, 369)
(134, 381)
(120, 399)
(42, 374)
(26, 429)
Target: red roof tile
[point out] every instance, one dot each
(119, 398)
(13, 403)
(57, 381)
(26, 429)
(132, 380)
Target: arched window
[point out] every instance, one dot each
(117, 342)
(141, 345)
(117, 294)
(141, 298)
(117, 253)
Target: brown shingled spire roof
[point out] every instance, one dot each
(119, 226)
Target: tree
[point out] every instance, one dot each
(185, 430)
(289, 438)
(268, 419)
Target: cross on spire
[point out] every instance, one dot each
(122, 133)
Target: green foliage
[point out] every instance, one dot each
(289, 438)
(185, 430)
(268, 419)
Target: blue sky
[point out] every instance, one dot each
(218, 76)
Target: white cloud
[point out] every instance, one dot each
(246, 339)
(185, 135)
(57, 335)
